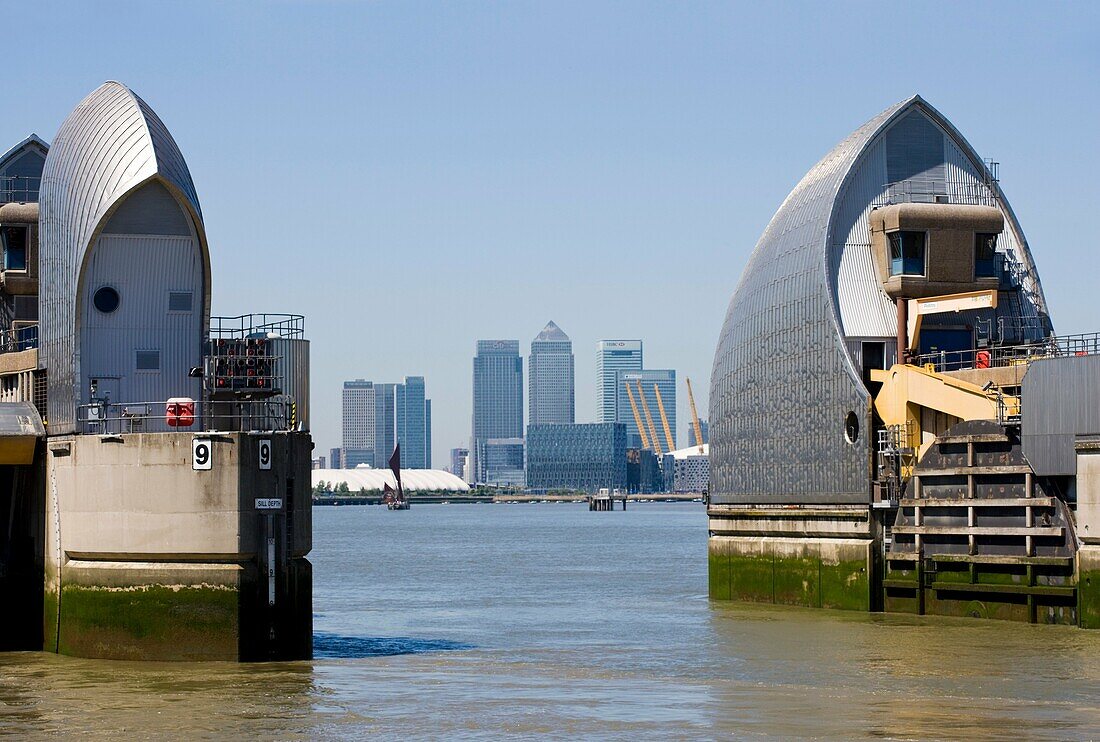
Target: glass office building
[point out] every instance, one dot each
(358, 425)
(550, 378)
(585, 457)
(498, 399)
(665, 381)
(613, 356)
(503, 461)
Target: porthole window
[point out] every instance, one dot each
(851, 427)
(105, 299)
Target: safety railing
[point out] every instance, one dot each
(103, 417)
(918, 190)
(1085, 344)
(22, 337)
(248, 326)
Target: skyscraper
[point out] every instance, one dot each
(550, 378)
(385, 423)
(410, 418)
(358, 423)
(613, 356)
(498, 398)
(665, 381)
(427, 434)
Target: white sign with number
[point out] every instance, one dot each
(202, 454)
(265, 453)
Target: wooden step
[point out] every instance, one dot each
(958, 471)
(978, 502)
(1049, 561)
(979, 531)
(977, 587)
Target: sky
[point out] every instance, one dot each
(414, 176)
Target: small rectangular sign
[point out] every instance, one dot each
(269, 503)
(265, 454)
(202, 456)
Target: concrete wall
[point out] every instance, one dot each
(148, 558)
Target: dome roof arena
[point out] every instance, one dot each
(413, 480)
(788, 370)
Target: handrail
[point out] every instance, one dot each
(257, 325)
(19, 188)
(16, 339)
(995, 356)
(103, 417)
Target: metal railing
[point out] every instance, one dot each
(247, 326)
(15, 339)
(996, 356)
(103, 417)
(918, 190)
(19, 188)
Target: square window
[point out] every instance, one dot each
(907, 253)
(147, 360)
(15, 248)
(179, 301)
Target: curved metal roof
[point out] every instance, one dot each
(110, 145)
(373, 479)
(783, 378)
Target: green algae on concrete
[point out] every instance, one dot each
(49, 620)
(150, 622)
(805, 572)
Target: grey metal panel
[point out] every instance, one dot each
(150, 209)
(144, 269)
(782, 382)
(108, 146)
(1061, 400)
(783, 379)
(293, 362)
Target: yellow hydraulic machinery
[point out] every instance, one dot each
(695, 418)
(664, 419)
(649, 421)
(927, 403)
(637, 417)
(918, 309)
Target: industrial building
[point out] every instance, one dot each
(583, 456)
(895, 424)
(155, 458)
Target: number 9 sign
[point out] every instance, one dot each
(265, 453)
(202, 455)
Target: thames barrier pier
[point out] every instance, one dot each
(156, 459)
(895, 424)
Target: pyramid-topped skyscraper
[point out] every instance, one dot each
(550, 379)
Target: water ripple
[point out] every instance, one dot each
(334, 646)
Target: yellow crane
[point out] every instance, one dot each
(637, 417)
(695, 418)
(664, 419)
(649, 421)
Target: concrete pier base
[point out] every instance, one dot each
(148, 557)
(820, 557)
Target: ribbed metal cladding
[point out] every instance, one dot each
(293, 354)
(109, 145)
(783, 379)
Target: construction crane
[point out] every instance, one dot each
(664, 419)
(695, 418)
(649, 420)
(637, 417)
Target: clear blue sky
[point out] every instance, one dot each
(415, 176)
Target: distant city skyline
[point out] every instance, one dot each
(376, 416)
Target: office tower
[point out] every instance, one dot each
(613, 356)
(427, 434)
(689, 439)
(458, 461)
(665, 381)
(550, 378)
(498, 398)
(409, 419)
(358, 423)
(335, 460)
(585, 457)
(385, 423)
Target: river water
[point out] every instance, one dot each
(494, 620)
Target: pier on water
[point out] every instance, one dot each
(604, 500)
